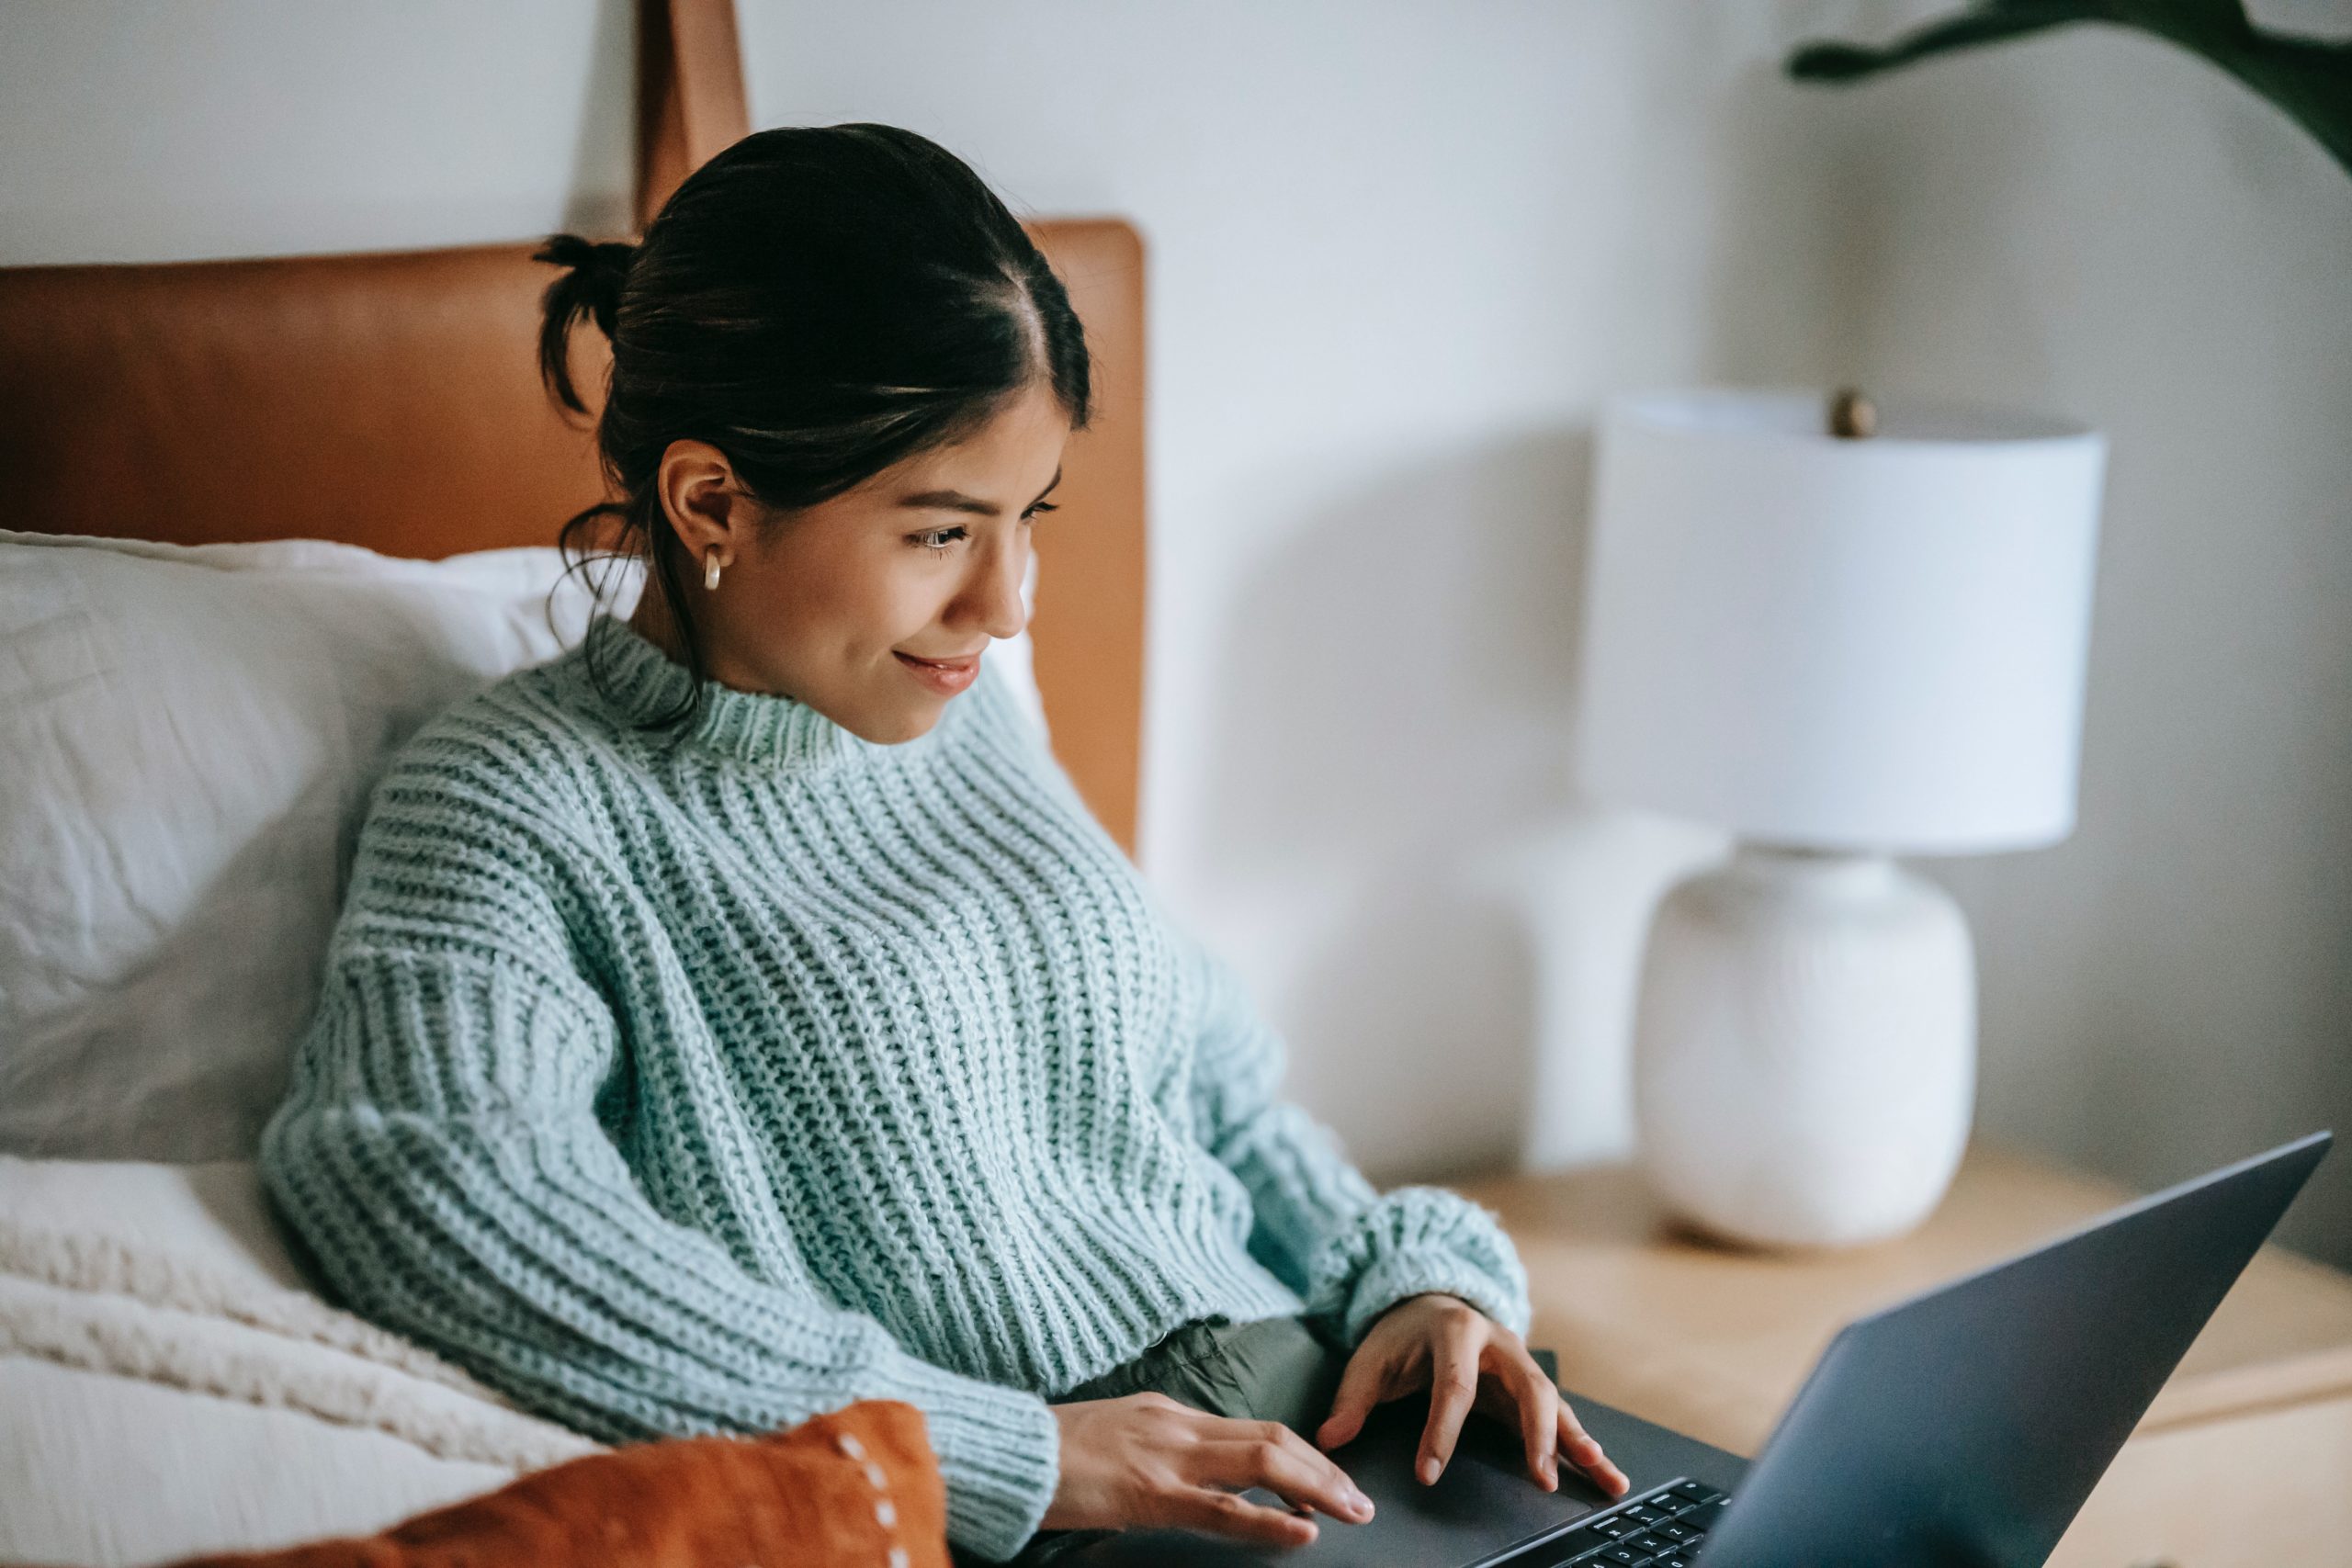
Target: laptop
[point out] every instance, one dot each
(1962, 1429)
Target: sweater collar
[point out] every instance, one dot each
(770, 731)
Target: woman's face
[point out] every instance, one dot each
(835, 604)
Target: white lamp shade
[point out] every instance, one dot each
(1874, 643)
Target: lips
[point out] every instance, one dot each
(945, 676)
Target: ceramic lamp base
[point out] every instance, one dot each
(1805, 1055)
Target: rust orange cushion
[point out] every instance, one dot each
(859, 1485)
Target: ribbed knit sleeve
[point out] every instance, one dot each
(443, 1153)
(1352, 1252)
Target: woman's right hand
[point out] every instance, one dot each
(1148, 1460)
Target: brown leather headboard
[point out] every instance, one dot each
(393, 401)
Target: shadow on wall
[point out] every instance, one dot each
(1792, 242)
(1398, 685)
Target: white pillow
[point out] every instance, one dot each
(168, 1386)
(188, 737)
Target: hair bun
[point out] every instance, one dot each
(595, 271)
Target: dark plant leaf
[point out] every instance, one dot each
(2310, 81)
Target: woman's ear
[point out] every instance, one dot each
(704, 503)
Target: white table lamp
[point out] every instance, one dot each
(1841, 648)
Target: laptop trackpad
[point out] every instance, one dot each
(1484, 1502)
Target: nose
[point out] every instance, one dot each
(991, 598)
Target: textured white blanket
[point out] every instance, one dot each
(168, 1385)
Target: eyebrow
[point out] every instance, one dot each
(956, 501)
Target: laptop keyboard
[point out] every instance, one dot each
(1664, 1529)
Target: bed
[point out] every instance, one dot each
(261, 518)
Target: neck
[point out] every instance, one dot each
(773, 732)
(652, 621)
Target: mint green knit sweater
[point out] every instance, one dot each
(710, 1090)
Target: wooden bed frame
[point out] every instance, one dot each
(391, 399)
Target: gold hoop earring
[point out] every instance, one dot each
(710, 568)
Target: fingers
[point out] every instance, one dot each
(1230, 1514)
(1585, 1453)
(1539, 1417)
(1268, 1454)
(1243, 1454)
(1453, 1385)
(1360, 1387)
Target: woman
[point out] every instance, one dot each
(740, 1014)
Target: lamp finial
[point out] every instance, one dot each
(1852, 417)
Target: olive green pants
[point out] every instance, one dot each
(1276, 1370)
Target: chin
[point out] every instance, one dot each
(907, 726)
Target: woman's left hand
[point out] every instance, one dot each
(1467, 1361)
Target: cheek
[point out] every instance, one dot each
(866, 606)
(903, 603)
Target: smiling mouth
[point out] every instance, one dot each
(966, 662)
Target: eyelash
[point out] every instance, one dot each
(959, 531)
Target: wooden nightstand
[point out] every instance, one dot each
(2246, 1458)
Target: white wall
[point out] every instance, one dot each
(1398, 251)
(186, 128)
